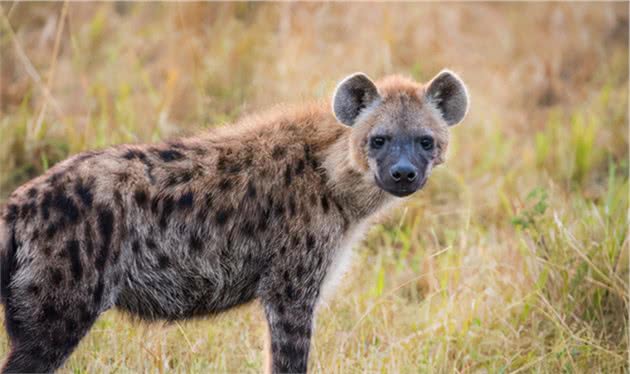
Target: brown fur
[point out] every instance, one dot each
(264, 209)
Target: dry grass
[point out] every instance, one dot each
(514, 259)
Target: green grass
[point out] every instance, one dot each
(513, 259)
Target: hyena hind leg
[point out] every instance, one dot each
(46, 348)
(44, 331)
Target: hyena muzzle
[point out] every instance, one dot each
(266, 209)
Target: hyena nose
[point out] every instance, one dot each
(403, 172)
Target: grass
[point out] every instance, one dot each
(513, 259)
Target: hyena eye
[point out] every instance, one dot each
(377, 142)
(427, 143)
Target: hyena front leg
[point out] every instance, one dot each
(290, 328)
(289, 308)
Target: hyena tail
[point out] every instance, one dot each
(8, 247)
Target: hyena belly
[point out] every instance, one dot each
(185, 259)
(178, 275)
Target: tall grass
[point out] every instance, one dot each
(513, 259)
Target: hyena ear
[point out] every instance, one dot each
(353, 94)
(449, 94)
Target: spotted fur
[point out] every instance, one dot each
(267, 209)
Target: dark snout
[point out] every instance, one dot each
(403, 178)
(402, 172)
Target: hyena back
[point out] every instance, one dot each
(264, 209)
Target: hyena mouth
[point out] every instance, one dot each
(400, 190)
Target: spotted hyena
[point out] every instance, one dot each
(266, 209)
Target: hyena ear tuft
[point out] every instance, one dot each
(449, 94)
(353, 94)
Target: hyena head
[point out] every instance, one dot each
(399, 127)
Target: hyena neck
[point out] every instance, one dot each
(355, 190)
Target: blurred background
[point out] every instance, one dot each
(515, 256)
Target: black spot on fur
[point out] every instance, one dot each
(309, 157)
(135, 247)
(299, 272)
(280, 309)
(47, 250)
(181, 178)
(288, 176)
(44, 208)
(279, 209)
(234, 168)
(325, 205)
(133, 153)
(251, 189)
(289, 292)
(169, 155)
(105, 224)
(164, 261)
(225, 185)
(310, 241)
(65, 206)
(28, 210)
(32, 192)
(150, 244)
(33, 289)
(283, 250)
(87, 235)
(141, 196)
(72, 247)
(84, 193)
(295, 241)
(54, 178)
(292, 206)
(167, 208)
(278, 152)
(205, 206)
(312, 199)
(320, 261)
(56, 276)
(196, 244)
(299, 168)
(186, 200)
(122, 177)
(50, 313)
(223, 215)
(222, 163)
(54, 227)
(98, 291)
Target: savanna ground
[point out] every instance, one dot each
(513, 259)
